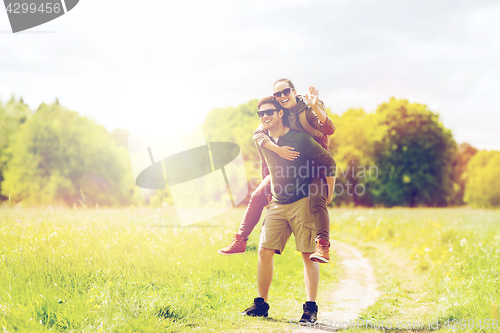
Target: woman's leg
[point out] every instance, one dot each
(318, 192)
(258, 200)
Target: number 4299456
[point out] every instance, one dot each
(23, 8)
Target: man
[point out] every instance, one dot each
(289, 212)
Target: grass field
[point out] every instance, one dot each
(132, 270)
(435, 265)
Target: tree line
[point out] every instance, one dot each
(399, 155)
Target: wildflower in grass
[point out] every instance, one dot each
(463, 242)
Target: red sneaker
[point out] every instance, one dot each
(237, 246)
(322, 254)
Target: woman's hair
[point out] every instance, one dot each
(290, 84)
(286, 122)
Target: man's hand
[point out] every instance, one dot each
(312, 98)
(288, 153)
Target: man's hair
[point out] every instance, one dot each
(290, 84)
(269, 100)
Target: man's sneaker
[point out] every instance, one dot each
(259, 308)
(310, 312)
(322, 251)
(237, 246)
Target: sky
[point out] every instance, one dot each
(161, 66)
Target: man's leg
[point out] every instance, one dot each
(265, 272)
(302, 225)
(311, 277)
(274, 234)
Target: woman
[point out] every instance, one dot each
(306, 113)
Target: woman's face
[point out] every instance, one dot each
(281, 89)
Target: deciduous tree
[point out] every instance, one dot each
(483, 179)
(414, 154)
(12, 115)
(60, 156)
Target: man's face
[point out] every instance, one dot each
(289, 101)
(267, 121)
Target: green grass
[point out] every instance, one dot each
(432, 264)
(132, 270)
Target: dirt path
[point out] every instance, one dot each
(353, 293)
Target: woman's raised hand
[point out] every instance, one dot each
(312, 97)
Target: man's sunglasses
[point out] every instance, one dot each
(285, 92)
(268, 112)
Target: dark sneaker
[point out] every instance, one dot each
(310, 312)
(237, 246)
(322, 254)
(259, 308)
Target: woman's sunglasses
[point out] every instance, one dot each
(268, 112)
(285, 92)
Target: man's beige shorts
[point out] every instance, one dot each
(283, 220)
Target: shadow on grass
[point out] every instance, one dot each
(275, 320)
(317, 325)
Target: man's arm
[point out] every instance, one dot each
(319, 155)
(264, 169)
(322, 158)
